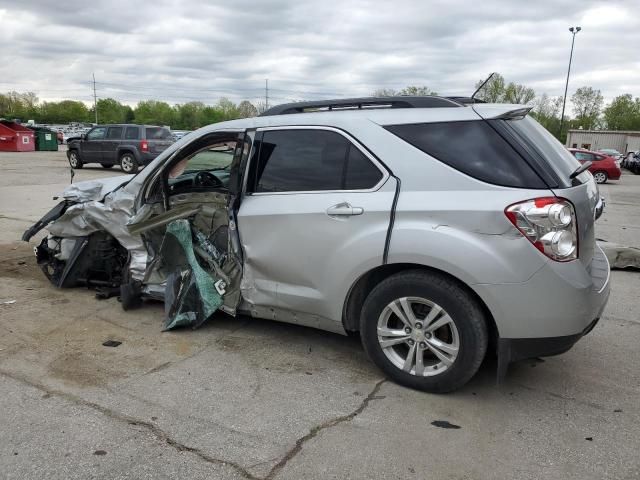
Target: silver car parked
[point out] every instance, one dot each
(438, 228)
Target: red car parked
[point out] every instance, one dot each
(603, 167)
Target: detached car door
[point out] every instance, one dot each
(315, 211)
(92, 145)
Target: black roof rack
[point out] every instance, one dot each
(366, 102)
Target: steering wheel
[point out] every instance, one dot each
(206, 179)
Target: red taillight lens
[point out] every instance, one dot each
(549, 223)
(144, 146)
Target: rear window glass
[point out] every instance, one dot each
(556, 155)
(158, 133)
(473, 148)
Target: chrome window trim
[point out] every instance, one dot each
(349, 137)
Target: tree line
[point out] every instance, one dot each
(187, 116)
(589, 111)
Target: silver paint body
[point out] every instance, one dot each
(301, 261)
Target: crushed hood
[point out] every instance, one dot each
(94, 190)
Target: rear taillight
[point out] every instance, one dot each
(144, 146)
(549, 223)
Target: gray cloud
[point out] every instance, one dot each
(179, 51)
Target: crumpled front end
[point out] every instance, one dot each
(88, 242)
(179, 255)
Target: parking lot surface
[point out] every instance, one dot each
(245, 398)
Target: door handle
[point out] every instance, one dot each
(344, 209)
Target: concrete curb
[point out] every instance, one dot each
(620, 256)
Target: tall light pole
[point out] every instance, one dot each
(574, 31)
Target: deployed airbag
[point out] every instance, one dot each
(191, 296)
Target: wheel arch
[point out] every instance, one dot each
(366, 283)
(127, 149)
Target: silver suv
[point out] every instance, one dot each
(437, 228)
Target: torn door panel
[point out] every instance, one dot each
(193, 294)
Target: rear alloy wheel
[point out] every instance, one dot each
(74, 160)
(128, 163)
(424, 331)
(600, 177)
(106, 165)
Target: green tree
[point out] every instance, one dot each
(496, 90)
(516, 93)
(412, 90)
(23, 106)
(110, 111)
(129, 116)
(587, 103)
(246, 109)
(546, 111)
(64, 112)
(623, 113)
(228, 109)
(190, 115)
(153, 112)
(493, 90)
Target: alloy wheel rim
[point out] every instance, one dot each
(418, 336)
(73, 159)
(599, 177)
(126, 163)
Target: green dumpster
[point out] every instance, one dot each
(46, 139)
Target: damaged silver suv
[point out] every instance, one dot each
(438, 228)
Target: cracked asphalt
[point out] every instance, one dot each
(245, 398)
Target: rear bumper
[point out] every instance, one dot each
(615, 174)
(560, 300)
(514, 349)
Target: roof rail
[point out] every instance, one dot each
(365, 102)
(466, 100)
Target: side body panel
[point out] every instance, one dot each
(300, 260)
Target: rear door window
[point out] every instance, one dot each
(473, 148)
(301, 160)
(114, 133)
(132, 133)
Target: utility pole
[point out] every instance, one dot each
(95, 98)
(573, 31)
(266, 93)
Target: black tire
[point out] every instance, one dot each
(106, 165)
(128, 163)
(74, 160)
(601, 177)
(130, 296)
(464, 311)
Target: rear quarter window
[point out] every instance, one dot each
(473, 148)
(157, 133)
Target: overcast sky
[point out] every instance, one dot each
(181, 51)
